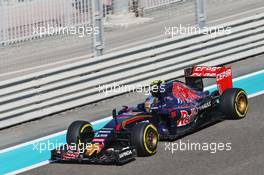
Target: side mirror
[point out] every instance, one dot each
(114, 113)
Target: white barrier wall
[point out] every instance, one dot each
(20, 19)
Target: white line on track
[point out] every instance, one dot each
(29, 168)
(47, 137)
(256, 94)
(249, 75)
(238, 78)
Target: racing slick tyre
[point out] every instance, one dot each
(145, 138)
(79, 132)
(234, 103)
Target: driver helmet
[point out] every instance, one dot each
(155, 91)
(156, 88)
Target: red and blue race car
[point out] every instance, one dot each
(173, 110)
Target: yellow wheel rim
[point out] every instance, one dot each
(151, 139)
(83, 130)
(241, 104)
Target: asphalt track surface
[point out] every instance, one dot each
(246, 137)
(246, 156)
(50, 52)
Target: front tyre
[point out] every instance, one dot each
(79, 132)
(145, 138)
(234, 103)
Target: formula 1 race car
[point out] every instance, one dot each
(173, 110)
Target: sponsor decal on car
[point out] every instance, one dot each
(102, 135)
(223, 75)
(206, 69)
(109, 129)
(125, 154)
(105, 132)
(185, 118)
(98, 139)
(205, 105)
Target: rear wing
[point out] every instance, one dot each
(223, 76)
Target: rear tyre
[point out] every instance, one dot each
(79, 132)
(234, 103)
(145, 138)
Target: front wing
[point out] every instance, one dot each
(112, 156)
